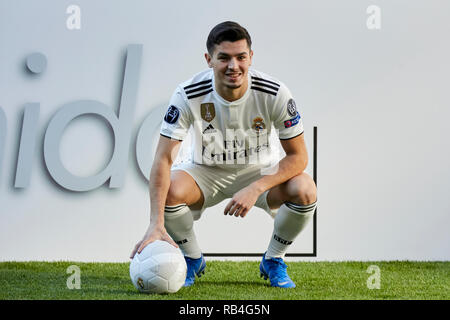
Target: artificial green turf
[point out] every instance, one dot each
(232, 281)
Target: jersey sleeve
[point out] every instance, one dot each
(178, 118)
(286, 116)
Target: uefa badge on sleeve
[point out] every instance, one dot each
(172, 115)
(291, 108)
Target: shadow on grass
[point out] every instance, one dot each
(236, 283)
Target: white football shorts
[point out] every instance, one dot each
(218, 184)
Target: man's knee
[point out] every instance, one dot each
(175, 196)
(302, 189)
(183, 189)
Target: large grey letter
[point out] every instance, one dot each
(148, 133)
(126, 112)
(121, 126)
(27, 145)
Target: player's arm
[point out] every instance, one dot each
(173, 130)
(159, 183)
(294, 163)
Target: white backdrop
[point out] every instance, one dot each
(377, 89)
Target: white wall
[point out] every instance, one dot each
(378, 97)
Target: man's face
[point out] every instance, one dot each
(230, 62)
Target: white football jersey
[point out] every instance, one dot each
(232, 134)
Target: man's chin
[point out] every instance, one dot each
(234, 85)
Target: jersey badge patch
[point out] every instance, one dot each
(258, 124)
(291, 108)
(207, 111)
(292, 122)
(172, 115)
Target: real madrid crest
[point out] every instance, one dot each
(207, 111)
(258, 124)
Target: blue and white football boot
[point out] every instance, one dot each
(194, 267)
(275, 270)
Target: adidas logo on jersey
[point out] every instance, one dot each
(209, 129)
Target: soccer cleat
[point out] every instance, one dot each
(275, 270)
(194, 267)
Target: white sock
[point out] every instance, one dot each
(179, 223)
(290, 220)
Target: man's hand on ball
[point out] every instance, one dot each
(153, 233)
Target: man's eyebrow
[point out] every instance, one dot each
(227, 55)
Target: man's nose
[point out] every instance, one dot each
(232, 64)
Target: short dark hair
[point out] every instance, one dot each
(227, 31)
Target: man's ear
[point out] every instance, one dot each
(251, 57)
(208, 59)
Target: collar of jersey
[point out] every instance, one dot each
(236, 102)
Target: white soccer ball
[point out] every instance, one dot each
(159, 268)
